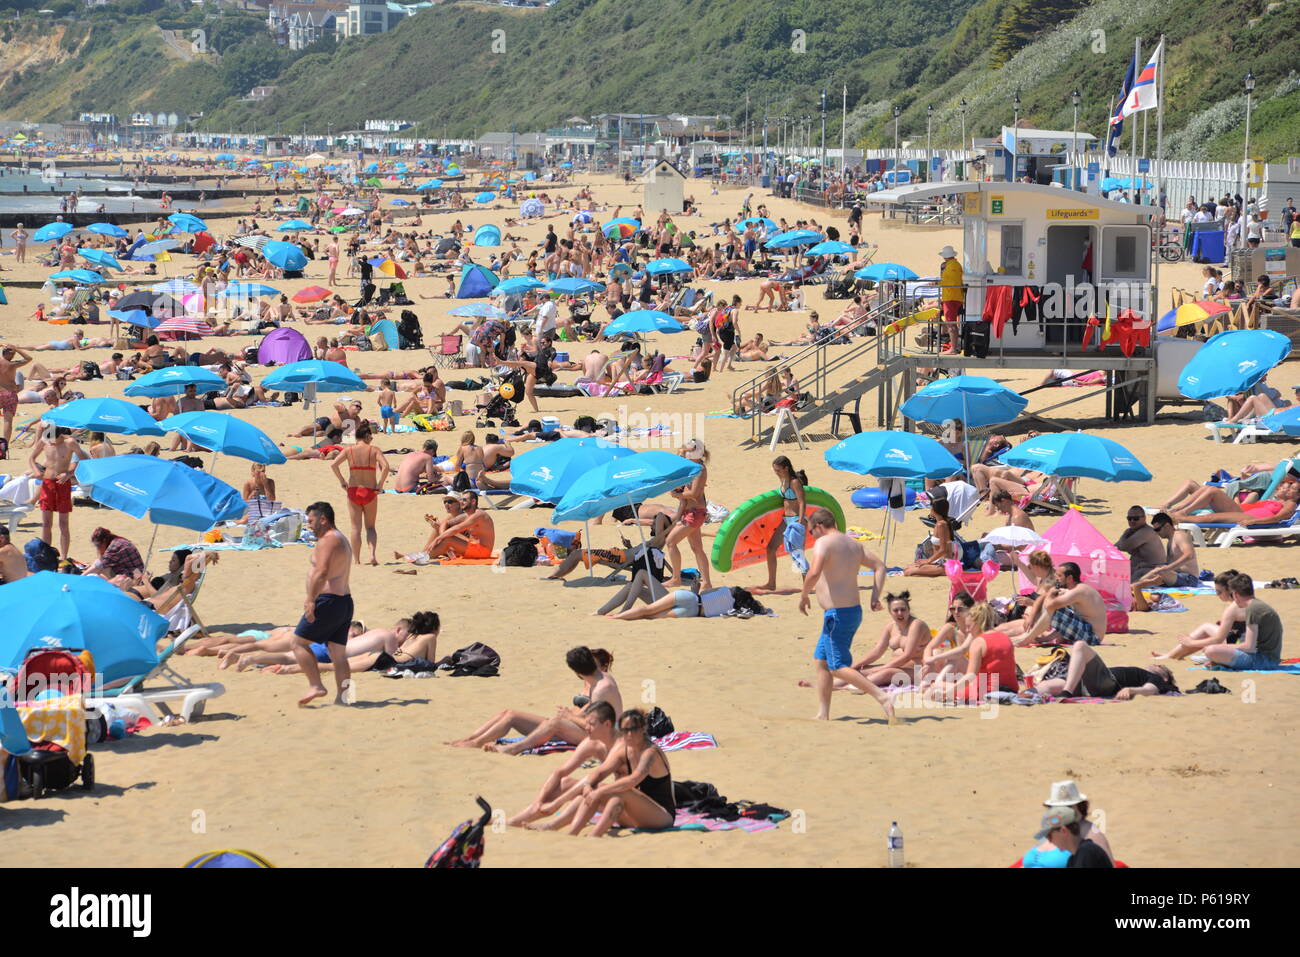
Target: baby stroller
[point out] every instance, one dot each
(506, 391)
(409, 333)
(49, 766)
(464, 847)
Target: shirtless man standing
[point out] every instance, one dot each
(1075, 611)
(471, 537)
(416, 465)
(13, 565)
(327, 612)
(56, 483)
(834, 560)
(9, 385)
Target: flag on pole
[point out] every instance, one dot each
(1117, 120)
(1145, 94)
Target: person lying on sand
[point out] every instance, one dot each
(640, 793)
(1088, 676)
(230, 648)
(559, 788)
(412, 644)
(597, 685)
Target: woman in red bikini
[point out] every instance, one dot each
(367, 472)
(692, 512)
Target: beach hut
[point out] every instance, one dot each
(665, 189)
(487, 235)
(388, 329)
(476, 282)
(282, 346)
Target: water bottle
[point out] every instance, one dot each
(895, 846)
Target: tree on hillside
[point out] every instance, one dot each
(1023, 20)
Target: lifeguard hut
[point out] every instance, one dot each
(665, 189)
(1070, 259)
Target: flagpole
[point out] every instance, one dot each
(1133, 124)
(844, 122)
(1110, 119)
(1160, 171)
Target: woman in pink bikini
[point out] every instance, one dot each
(367, 472)
(692, 512)
(1224, 508)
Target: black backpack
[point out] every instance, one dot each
(476, 659)
(520, 552)
(658, 724)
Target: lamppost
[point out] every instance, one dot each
(822, 172)
(1015, 136)
(1245, 158)
(929, 156)
(1075, 99)
(962, 107)
(898, 111)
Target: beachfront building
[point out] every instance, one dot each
(366, 18)
(523, 150)
(664, 189)
(299, 25)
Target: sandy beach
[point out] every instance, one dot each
(1193, 781)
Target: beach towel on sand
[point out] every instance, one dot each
(1283, 670)
(677, 741)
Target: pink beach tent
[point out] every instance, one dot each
(1073, 538)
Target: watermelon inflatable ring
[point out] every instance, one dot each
(742, 539)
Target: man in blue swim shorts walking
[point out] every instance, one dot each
(834, 561)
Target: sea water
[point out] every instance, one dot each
(40, 198)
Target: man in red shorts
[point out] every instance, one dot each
(952, 296)
(62, 452)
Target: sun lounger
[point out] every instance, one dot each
(174, 690)
(1244, 431)
(1225, 535)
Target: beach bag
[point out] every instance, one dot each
(1052, 665)
(464, 846)
(460, 482)
(476, 659)
(377, 342)
(658, 724)
(40, 556)
(520, 553)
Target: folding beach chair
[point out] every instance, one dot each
(172, 691)
(449, 354)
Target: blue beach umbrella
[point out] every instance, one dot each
(1285, 421)
(78, 275)
(624, 481)
(294, 226)
(107, 229)
(169, 492)
(247, 290)
(566, 165)
(659, 267)
(325, 376)
(402, 202)
(51, 231)
(517, 284)
(885, 272)
(135, 317)
(188, 223)
(176, 287)
(158, 246)
(1232, 362)
(548, 472)
(225, 433)
(173, 380)
(643, 320)
(892, 454)
(103, 415)
(831, 247)
(284, 256)
(793, 238)
(79, 611)
(1077, 454)
(481, 310)
(974, 400)
(485, 197)
(432, 184)
(762, 221)
(572, 286)
(99, 258)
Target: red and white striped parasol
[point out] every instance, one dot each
(194, 325)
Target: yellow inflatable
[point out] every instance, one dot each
(898, 325)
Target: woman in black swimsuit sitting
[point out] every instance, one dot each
(641, 793)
